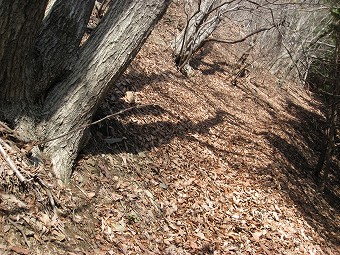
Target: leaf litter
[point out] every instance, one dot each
(210, 168)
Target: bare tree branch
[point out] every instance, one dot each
(239, 40)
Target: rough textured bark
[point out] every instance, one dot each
(19, 22)
(58, 41)
(197, 29)
(102, 60)
(76, 84)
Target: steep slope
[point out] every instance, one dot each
(204, 166)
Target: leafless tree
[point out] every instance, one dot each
(294, 40)
(287, 32)
(328, 69)
(202, 18)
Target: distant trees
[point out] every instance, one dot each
(294, 40)
(306, 48)
(286, 32)
(325, 77)
(51, 82)
(202, 19)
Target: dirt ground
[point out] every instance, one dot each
(202, 166)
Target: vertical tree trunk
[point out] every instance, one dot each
(334, 105)
(19, 23)
(200, 25)
(324, 162)
(58, 41)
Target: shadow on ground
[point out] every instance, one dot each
(144, 137)
(205, 67)
(295, 151)
(319, 204)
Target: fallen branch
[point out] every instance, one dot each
(9, 148)
(34, 143)
(11, 164)
(48, 191)
(21, 231)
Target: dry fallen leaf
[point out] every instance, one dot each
(200, 235)
(118, 226)
(44, 218)
(116, 197)
(6, 228)
(19, 250)
(12, 199)
(257, 235)
(91, 195)
(193, 245)
(58, 236)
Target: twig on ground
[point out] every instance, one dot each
(9, 148)
(48, 191)
(13, 133)
(91, 124)
(82, 191)
(12, 165)
(21, 231)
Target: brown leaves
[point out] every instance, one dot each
(256, 236)
(19, 250)
(195, 175)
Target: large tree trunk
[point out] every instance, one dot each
(58, 42)
(70, 81)
(18, 29)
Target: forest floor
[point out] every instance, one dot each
(202, 166)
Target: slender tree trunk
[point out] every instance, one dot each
(200, 25)
(325, 158)
(333, 108)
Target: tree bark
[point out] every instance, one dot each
(104, 57)
(58, 41)
(200, 25)
(69, 90)
(19, 22)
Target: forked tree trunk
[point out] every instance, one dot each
(200, 25)
(63, 83)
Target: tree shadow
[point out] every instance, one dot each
(135, 79)
(320, 205)
(139, 137)
(198, 63)
(295, 156)
(209, 68)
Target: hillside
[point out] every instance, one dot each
(203, 166)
